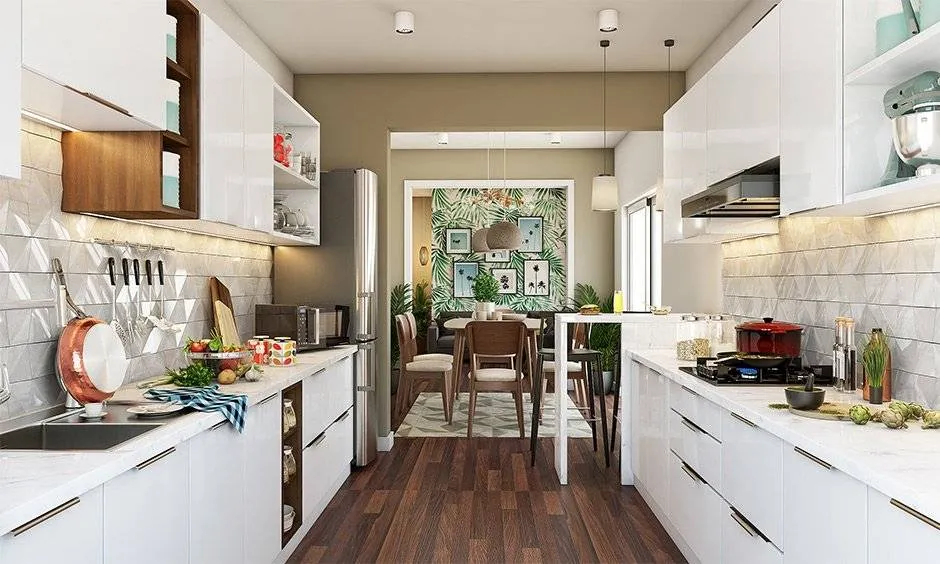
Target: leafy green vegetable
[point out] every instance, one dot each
(215, 345)
(194, 375)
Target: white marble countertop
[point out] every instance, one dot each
(33, 482)
(616, 318)
(902, 464)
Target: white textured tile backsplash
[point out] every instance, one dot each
(884, 272)
(33, 230)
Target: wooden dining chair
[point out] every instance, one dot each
(413, 326)
(496, 342)
(417, 369)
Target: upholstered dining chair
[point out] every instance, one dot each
(413, 327)
(414, 369)
(496, 342)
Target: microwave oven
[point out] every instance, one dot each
(312, 327)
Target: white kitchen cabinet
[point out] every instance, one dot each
(652, 434)
(743, 103)
(743, 543)
(222, 127)
(70, 532)
(216, 502)
(10, 30)
(263, 480)
(108, 50)
(316, 398)
(259, 132)
(671, 195)
(698, 410)
(326, 464)
(807, 480)
(694, 139)
(696, 448)
(695, 510)
(341, 387)
(748, 451)
(898, 533)
(133, 513)
(810, 104)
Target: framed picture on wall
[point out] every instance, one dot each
(458, 241)
(506, 278)
(464, 273)
(532, 229)
(498, 256)
(535, 278)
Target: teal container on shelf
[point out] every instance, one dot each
(171, 179)
(929, 13)
(890, 31)
(171, 38)
(172, 105)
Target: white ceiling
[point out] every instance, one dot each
(513, 140)
(459, 36)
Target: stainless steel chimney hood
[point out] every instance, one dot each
(744, 195)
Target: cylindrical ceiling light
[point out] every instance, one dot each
(443, 138)
(478, 241)
(608, 20)
(404, 22)
(503, 236)
(554, 138)
(604, 192)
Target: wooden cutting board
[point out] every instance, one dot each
(225, 322)
(218, 292)
(827, 411)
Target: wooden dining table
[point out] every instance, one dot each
(459, 325)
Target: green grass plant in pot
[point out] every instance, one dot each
(875, 359)
(485, 292)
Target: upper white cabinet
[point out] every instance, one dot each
(259, 131)
(70, 532)
(694, 139)
(95, 64)
(670, 196)
(10, 28)
(807, 479)
(898, 533)
(810, 104)
(263, 479)
(743, 103)
(132, 511)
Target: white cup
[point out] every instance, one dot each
(94, 409)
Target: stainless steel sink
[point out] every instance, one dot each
(72, 436)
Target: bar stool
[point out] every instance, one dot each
(592, 359)
(616, 390)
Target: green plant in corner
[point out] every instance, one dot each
(421, 308)
(875, 358)
(485, 287)
(604, 337)
(399, 302)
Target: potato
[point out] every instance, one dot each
(227, 376)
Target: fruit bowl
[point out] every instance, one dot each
(237, 361)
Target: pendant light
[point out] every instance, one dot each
(604, 186)
(660, 180)
(504, 235)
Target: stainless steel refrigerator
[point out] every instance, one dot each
(342, 270)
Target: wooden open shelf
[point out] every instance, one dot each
(176, 71)
(175, 140)
(292, 491)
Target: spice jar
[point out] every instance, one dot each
(692, 338)
(721, 334)
(290, 464)
(290, 417)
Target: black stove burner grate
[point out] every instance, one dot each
(738, 372)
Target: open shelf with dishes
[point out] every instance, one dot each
(292, 488)
(297, 217)
(299, 167)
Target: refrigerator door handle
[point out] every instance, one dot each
(365, 330)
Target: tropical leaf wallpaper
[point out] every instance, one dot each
(464, 207)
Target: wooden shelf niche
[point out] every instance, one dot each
(120, 174)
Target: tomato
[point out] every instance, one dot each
(229, 364)
(197, 347)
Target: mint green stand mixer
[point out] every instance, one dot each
(914, 110)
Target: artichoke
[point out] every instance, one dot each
(876, 416)
(892, 419)
(931, 420)
(917, 410)
(901, 408)
(859, 414)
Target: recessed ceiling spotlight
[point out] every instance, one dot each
(443, 139)
(554, 138)
(608, 20)
(404, 22)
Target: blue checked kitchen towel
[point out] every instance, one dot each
(207, 399)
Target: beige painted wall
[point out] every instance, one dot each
(357, 112)
(593, 231)
(420, 235)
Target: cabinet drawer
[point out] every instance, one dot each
(705, 414)
(70, 532)
(742, 543)
(326, 459)
(316, 394)
(696, 448)
(695, 510)
(898, 533)
(341, 387)
(752, 474)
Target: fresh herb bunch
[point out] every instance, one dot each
(875, 358)
(485, 287)
(195, 375)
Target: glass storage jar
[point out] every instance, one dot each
(721, 334)
(290, 417)
(692, 337)
(290, 464)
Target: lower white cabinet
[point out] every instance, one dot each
(695, 511)
(326, 460)
(149, 498)
(696, 448)
(70, 532)
(817, 498)
(327, 394)
(651, 433)
(262, 488)
(216, 506)
(752, 474)
(899, 533)
(742, 543)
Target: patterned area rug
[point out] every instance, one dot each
(495, 417)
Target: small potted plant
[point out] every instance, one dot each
(485, 291)
(875, 360)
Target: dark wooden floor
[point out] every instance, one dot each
(479, 500)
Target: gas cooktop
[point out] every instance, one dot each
(738, 372)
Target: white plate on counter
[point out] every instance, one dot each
(155, 409)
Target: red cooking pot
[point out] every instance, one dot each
(769, 337)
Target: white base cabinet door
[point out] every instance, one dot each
(742, 543)
(898, 533)
(326, 460)
(816, 497)
(10, 27)
(71, 532)
(216, 506)
(263, 456)
(695, 511)
(652, 432)
(149, 498)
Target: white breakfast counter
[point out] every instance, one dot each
(32, 482)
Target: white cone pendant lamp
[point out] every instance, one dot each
(604, 194)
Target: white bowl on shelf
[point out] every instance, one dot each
(288, 513)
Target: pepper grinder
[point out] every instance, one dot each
(838, 355)
(850, 380)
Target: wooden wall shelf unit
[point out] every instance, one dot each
(292, 492)
(120, 174)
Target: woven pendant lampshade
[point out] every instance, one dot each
(478, 241)
(504, 235)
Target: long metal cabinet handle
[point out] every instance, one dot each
(45, 516)
(156, 458)
(915, 514)
(342, 417)
(744, 524)
(695, 428)
(266, 400)
(217, 426)
(742, 420)
(317, 440)
(693, 392)
(814, 458)
(689, 471)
